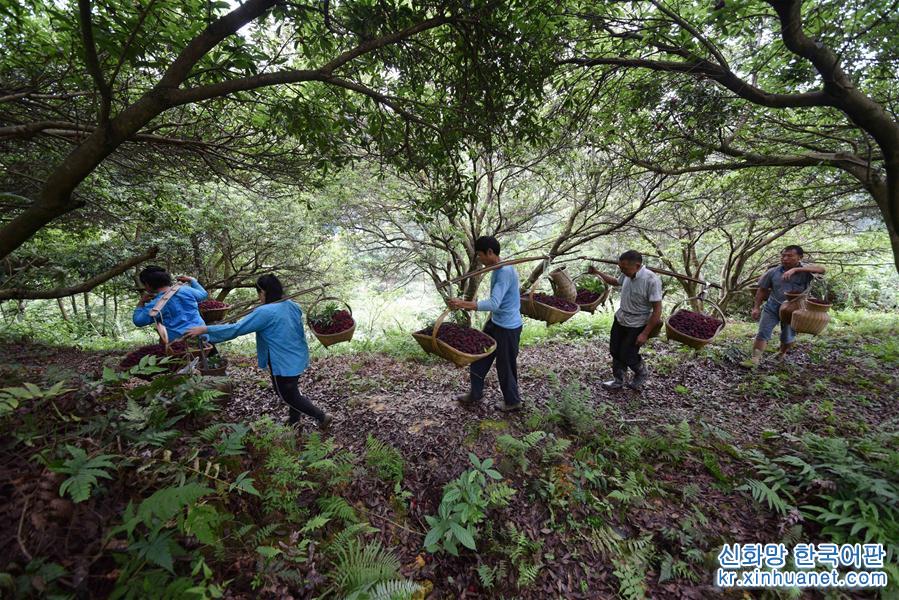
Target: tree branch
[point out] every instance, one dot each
(91, 60)
(727, 78)
(85, 286)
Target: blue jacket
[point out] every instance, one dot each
(280, 337)
(505, 300)
(179, 314)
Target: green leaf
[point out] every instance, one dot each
(268, 551)
(203, 521)
(167, 502)
(434, 535)
(83, 473)
(159, 550)
(463, 535)
(244, 484)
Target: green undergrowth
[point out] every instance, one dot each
(184, 504)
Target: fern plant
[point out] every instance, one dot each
(385, 460)
(368, 572)
(325, 314)
(516, 449)
(850, 489)
(523, 554)
(82, 471)
(10, 397)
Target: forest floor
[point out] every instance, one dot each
(617, 494)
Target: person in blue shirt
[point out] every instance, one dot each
(180, 313)
(280, 345)
(504, 325)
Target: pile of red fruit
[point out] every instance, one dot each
(586, 296)
(157, 350)
(463, 339)
(340, 321)
(554, 301)
(212, 305)
(695, 324)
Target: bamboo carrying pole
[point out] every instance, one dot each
(246, 312)
(491, 268)
(290, 297)
(653, 269)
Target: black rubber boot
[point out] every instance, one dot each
(466, 399)
(619, 372)
(641, 374)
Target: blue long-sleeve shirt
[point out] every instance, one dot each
(504, 303)
(280, 337)
(179, 314)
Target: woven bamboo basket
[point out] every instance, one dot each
(329, 339)
(214, 315)
(543, 312)
(563, 286)
(693, 342)
(433, 345)
(592, 306)
(812, 317)
(215, 371)
(789, 306)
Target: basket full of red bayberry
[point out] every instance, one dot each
(591, 292)
(212, 311)
(547, 308)
(694, 328)
(331, 324)
(456, 343)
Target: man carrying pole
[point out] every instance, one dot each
(504, 326)
(791, 276)
(639, 312)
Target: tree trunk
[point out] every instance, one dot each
(115, 314)
(103, 325)
(62, 309)
(87, 306)
(197, 256)
(469, 291)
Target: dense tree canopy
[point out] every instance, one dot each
(110, 115)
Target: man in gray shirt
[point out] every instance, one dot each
(639, 312)
(791, 276)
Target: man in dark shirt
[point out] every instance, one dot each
(791, 276)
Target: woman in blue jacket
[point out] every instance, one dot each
(280, 345)
(180, 313)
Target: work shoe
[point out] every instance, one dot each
(619, 373)
(613, 384)
(466, 399)
(503, 407)
(641, 374)
(325, 423)
(753, 361)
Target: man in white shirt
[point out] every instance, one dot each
(639, 312)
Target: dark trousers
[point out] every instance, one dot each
(288, 390)
(506, 357)
(623, 346)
